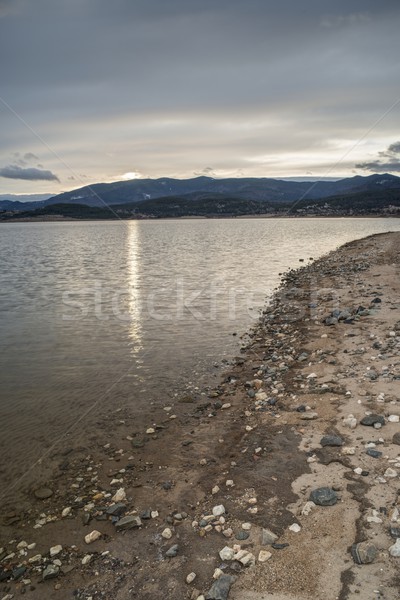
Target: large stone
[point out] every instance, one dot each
(129, 522)
(396, 438)
(268, 537)
(220, 589)
(324, 496)
(364, 553)
(370, 420)
(331, 440)
(116, 510)
(43, 493)
(172, 552)
(50, 572)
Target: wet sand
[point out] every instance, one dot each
(250, 444)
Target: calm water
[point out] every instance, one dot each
(128, 311)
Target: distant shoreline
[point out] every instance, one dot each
(61, 219)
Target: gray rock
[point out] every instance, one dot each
(43, 493)
(50, 572)
(172, 552)
(242, 535)
(116, 510)
(396, 438)
(220, 589)
(268, 537)
(129, 522)
(370, 420)
(331, 321)
(303, 356)
(324, 496)
(374, 453)
(363, 553)
(331, 440)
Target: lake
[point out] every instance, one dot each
(95, 314)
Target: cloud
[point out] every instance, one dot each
(30, 156)
(388, 161)
(32, 174)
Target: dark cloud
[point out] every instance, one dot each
(388, 161)
(31, 174)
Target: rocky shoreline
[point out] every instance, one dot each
(281, 482)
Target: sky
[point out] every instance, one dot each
(93, 90)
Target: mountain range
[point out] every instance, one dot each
(206, 195)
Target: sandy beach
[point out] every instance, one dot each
(281, 482)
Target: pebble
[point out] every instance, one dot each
(295, 528)
(364, 553)
(396, 438)
(43, 493)
(129, 522)
(218, 510)
(50, 572)
(119, 495)
(264, 555)
(55, 550)
(66, 512)
(391, 473)
(331, 440)
(226, 553)
(246, 526)
(395, 549)
(217, 573)
(191, 577)
(268, 537)
(167, 533)
(86, 559)
(393, 418)
(324, 496)
(172, 552)
(92, 536)
(307, 508)
(220, 589)
(371, 420)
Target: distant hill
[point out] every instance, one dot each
(369, 202)
(247, 189)
(380, 202)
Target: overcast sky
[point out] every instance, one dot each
(94, 90)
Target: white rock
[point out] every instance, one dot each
(228, 533)
(20, 546)
(217, 573)
(119, 495)
(307, 508)
(154, 514)
(246, 526)
(390, 473)
(348, 450)
(393, 418)
(226, 405)
(86, 559)
(229, 483)
(395, 549)
(55, 550)
(350, 421)
(264, 555)
(245, 558)
(358, 470)
(312, 376)
(218, 510)
(92, 536)
(295, 528)
(191, 577)
(35, 559)
(167, 533)
(66, 512)
(215, 490)
(226, 553)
